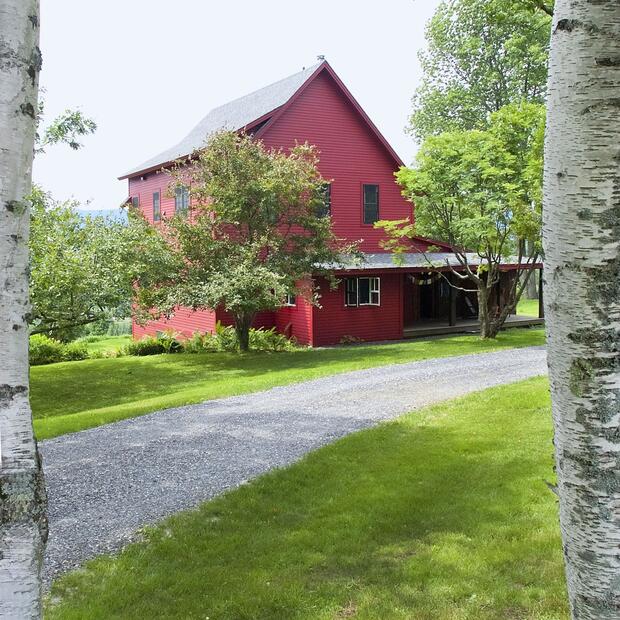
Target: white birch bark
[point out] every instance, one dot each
(582, 295)
(22, 498)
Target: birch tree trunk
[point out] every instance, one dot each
(582, 295)
(22, 496)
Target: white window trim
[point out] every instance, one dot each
(373, 280)
(287, 301)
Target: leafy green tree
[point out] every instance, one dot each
(481, 56)
(82, 270)
(480, 191)
(67, 128)
(253, 235)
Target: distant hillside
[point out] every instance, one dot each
(115, 214)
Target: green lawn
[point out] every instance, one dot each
(528, 307)
(107, 343)
(72, 396)
(441, 515)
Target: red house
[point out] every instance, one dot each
(377, 301)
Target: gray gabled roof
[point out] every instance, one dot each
(232, 116)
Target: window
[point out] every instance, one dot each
(350, 292)
(324, 205)
(135, 201)
(290, 300)
(181, 199)
(371, 203)
(156, 207)
(363, 292)
(375, 292)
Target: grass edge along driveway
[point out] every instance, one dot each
(442, 514)
(73, 396)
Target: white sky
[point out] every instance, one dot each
(148, 70)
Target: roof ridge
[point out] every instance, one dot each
(308, 70)
(233, 115)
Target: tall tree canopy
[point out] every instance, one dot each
(481, 56)
(480, 192)
(254, 234)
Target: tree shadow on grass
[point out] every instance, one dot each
(444, 518)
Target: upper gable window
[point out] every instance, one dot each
(156, 207)
(324, 205)
(181, 199)
(371, 203)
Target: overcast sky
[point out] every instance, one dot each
(148, 70)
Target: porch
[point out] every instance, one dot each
(437, 327)
(433, 307)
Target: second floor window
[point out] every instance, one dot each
(371, 203)
(324, 206)
(156, 207)
(181, 199)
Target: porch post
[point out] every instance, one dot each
(453, 293)
(541, 307)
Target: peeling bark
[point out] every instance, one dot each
(23, 528)
(581, 233)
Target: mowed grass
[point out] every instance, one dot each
(441, 515)
(72, 396)
(528, 307)
(107, 343)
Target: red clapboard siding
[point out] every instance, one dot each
(144, 187)
(185, 321)
(335, 320)
(296, 321)
(350, 154)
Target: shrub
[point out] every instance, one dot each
(165, 342)
(74, 351)
(45, 350)
(270, 340)
(201, 343)
(170, 342)
(148, 345)
(225, 337)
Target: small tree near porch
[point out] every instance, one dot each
(254, 232)
(479, 191)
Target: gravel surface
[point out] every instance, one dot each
(107, 482)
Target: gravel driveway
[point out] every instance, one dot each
(107, 482)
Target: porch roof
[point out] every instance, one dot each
(419, 261)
